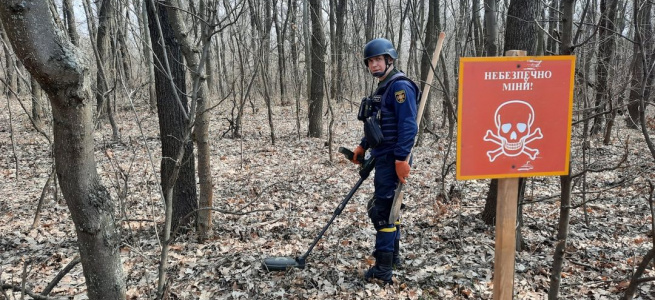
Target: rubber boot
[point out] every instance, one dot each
(383, 267)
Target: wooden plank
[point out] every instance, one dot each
(506, 207)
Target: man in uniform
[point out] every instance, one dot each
(389, 117)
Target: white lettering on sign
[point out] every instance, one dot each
(526, 75)
(517, 86)
(524, 78)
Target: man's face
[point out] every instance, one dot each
(376, 64)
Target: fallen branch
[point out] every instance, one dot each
(60, 275)
(635, 280)
(583, 265)
(17, 288)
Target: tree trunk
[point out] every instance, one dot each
(10, 83)
(521, 29)
(562, 235)
(338, 46)
(294, 60)
(69, 14)
(172, 110)
(280, 33)
(123, 53)
(432, 29)
(308, 45)
(147, 54)
(477, 35)
(401, 28)
(541, 36)
(413, 37)
(265, 48)
(605, 53)
(553, 31)
(369, 29)
(104, 18)
(565, 180)
(331, 89)
(606, 45)
(643, 41)
(59, 67)
(37, 107)
(491, 28)
(195, 63)
(318, 72)
(489, 213)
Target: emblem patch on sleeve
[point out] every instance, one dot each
(400, 96)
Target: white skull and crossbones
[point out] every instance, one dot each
(514, 121)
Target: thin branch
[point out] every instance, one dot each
(60, 275)
(610, 168)
(7, 286)
(35, 222)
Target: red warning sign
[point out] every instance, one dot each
(514, 116)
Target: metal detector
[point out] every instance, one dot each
(281, 263)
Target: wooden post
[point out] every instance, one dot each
(506, 207)
(505, 238)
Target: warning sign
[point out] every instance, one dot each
(514, 116)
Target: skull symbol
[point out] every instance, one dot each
(514, 120)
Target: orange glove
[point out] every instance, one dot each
(359, 152)
(402, 170)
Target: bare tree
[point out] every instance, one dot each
(338, 46)
(173, 112)
(369, 30)
(308, 44)
(60, 69)
(432, 29)
(101, 38)
(104, 108)
(280, 34)
(476, 35)
(120, 30)
(38, 114)
(10, 83)
(318, 71)
(69, 16)
(490, 27)
(643, 47)
(195, 62)
(553, 30)
(142, 19)
(606, 45)
(566, 48)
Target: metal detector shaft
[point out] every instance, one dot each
(337, 212)
(364, 171)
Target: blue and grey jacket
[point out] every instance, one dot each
(395, 104)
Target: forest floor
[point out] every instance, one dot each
(276, 198)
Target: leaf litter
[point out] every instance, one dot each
(289, 190)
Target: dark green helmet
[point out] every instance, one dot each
(379, 47)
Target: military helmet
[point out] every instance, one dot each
(377, 47)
